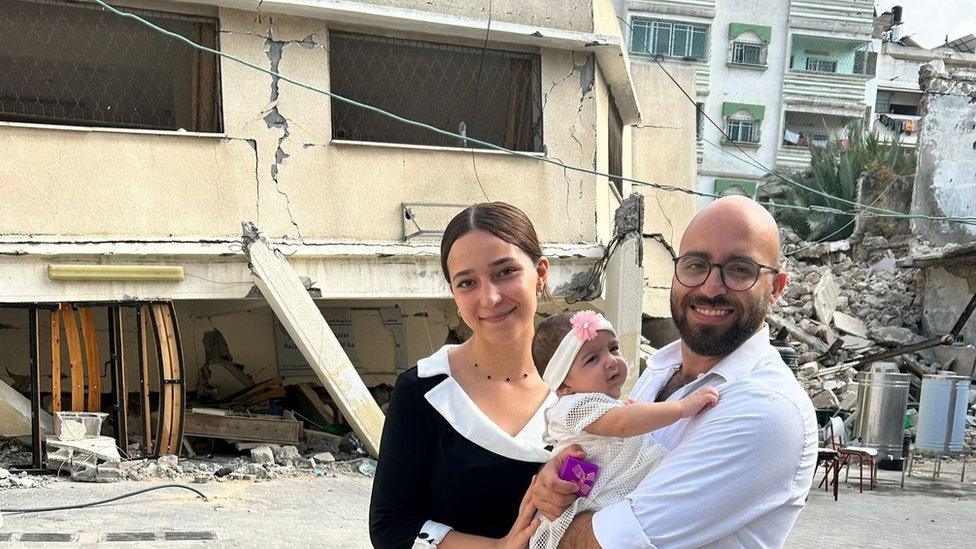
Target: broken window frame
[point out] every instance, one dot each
(193, 115)
(523, 129)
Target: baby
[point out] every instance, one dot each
(578, 356)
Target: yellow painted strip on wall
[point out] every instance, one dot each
(166, 273)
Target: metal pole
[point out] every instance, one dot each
(35, 377)
(118, 377)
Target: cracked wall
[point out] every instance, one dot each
(276, 163)
(945, 181)
(664, 152)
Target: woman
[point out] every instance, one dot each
(463, 434)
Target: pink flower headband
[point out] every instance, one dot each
(585, 324)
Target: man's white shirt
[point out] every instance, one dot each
(738, 474)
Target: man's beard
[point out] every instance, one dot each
(707, 340)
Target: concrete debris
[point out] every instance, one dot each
(15, 414)
(894, 336)
(287, 455)
(848, 324)
(825, 296)
(262, 454)
(78, 425)
(92, 459)
(168, 463)
(327, 457)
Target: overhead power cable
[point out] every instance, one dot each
(485, 144)
(757, 164)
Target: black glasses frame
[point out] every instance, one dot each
(721, 271)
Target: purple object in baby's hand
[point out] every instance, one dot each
(580, 472)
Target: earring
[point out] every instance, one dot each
(459, 314)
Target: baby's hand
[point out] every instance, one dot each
(698, 401)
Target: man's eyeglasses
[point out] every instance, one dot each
(738, 275)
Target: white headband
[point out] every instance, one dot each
(585, 326)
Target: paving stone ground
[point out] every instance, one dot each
(331, 512)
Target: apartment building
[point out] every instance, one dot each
(125, 147)
(776, 76)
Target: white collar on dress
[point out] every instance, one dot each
(451, 402)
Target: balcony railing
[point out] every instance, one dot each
(842, 92)
(792, 158)
(849, 16)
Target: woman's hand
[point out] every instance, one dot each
(551, 495)
(525, 525)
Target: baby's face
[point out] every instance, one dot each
(598, 368)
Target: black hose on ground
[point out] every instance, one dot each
(100, 502)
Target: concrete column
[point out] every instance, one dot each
(625, 284)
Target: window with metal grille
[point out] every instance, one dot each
(865, 62)
(75, 64)
(821, 65)
(742, 131)
(744, 53)
(615, 150)
(670, 38)
(486, 94)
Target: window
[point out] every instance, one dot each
(748, 54)
(490, 95)
(669, 38)
(75, 64)
(742, 131)
(821, 65)
(615, 150)
(865, 62)
(699, 120)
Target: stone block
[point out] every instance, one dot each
(262, 454)
(825, 296)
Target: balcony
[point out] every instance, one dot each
(792, 158)
(848, 17)
(828, 75)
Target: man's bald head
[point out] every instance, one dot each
(737, 225)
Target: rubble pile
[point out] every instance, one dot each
(846, 300)
(868, 306)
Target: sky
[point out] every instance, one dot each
(928, 21)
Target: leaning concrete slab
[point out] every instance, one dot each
(15, 414)
(303, 321)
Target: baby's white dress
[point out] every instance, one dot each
(623, 462)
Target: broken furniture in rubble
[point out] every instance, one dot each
(157, 341)
(243, 427)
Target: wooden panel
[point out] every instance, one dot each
(309, 400)
(90, 336)
(56, 360)
(147, 433)
(74, 357)
(171, 389)
(244, 428)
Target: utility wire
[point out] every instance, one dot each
(756, 164)
(477, 88)
(533, 156)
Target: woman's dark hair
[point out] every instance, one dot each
(498, 218)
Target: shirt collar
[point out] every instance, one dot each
(737, 364)
(436, 364)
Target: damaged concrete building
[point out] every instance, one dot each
(131, 161)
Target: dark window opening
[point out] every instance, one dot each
(699, 120)
(490, 95)
(615, 164)
(76, 64)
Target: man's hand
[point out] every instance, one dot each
(551, 495)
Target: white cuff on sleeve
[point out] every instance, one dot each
(616, 526)
(431, 534)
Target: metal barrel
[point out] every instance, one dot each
(882, 400)
(942, 413)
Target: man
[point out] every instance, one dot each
(738, 474)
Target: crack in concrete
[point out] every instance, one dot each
(257, 177)
(545, 96)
